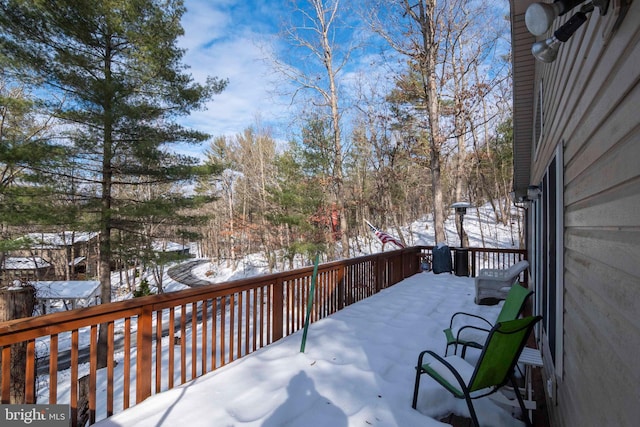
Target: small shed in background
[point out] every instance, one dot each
(56, 295)
(25, 269)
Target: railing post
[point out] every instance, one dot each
(379, 273)
(341, 288)
(473, 263)
(416, 262)
(277, 317)
(413, 261)
(144, 345)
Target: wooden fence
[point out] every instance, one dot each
(157, 342)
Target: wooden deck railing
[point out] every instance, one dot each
(157, 342)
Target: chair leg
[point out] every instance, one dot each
(416, 386)
(525, 413)
(472, 411)
(455, 348)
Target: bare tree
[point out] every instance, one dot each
(314, 65)
(253, 154)
(411, 29)
(471, 34)
(444, 44)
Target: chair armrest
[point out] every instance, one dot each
(470, 342)
(476, 328)
(433, 374)
(513, 271)
(470, 315)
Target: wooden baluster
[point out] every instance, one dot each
(30, 380)
(53, 370)
(205, 334)
(127, 363)
(93, 370)
(277, 302)
(172, 343)
(194, 340)
(111, 365)
(183, 343)
(144, 346)
(214, 332)
(158, 351)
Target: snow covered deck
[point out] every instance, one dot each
(357, 370)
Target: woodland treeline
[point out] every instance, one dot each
(277, 201)
(428, 125)
(93, 97)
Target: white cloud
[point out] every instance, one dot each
(221, 41)
(204, 22)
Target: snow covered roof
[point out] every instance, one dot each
(159, 246)
(56, 240)
(66, 289)
(25, 263)
(77, 260)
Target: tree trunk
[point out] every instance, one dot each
(105, 291)
(427, 62)
(16, 304)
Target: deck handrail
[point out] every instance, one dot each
(227, 321)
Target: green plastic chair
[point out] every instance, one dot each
(513, 306)
(494, 369)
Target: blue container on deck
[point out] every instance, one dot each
(442, 259)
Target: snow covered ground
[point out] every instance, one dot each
(479, 224)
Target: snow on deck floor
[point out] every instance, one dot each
(358, 369)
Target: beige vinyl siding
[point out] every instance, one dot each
(592, 105)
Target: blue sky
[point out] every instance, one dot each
(233, 39)
(227, 39)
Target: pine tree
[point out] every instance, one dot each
(26, 196)
(117, 66)
(299, 203)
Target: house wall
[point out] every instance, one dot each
(25, 275)
(56, 256)
(60, 258)
(90, 251)
(591, 106)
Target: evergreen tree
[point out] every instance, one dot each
(493, 170)
(299, 203)
(117, 66)
(26, 196)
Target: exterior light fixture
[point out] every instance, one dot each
(547, 50)
(519, 200)
(533, 192)
(540, 16)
